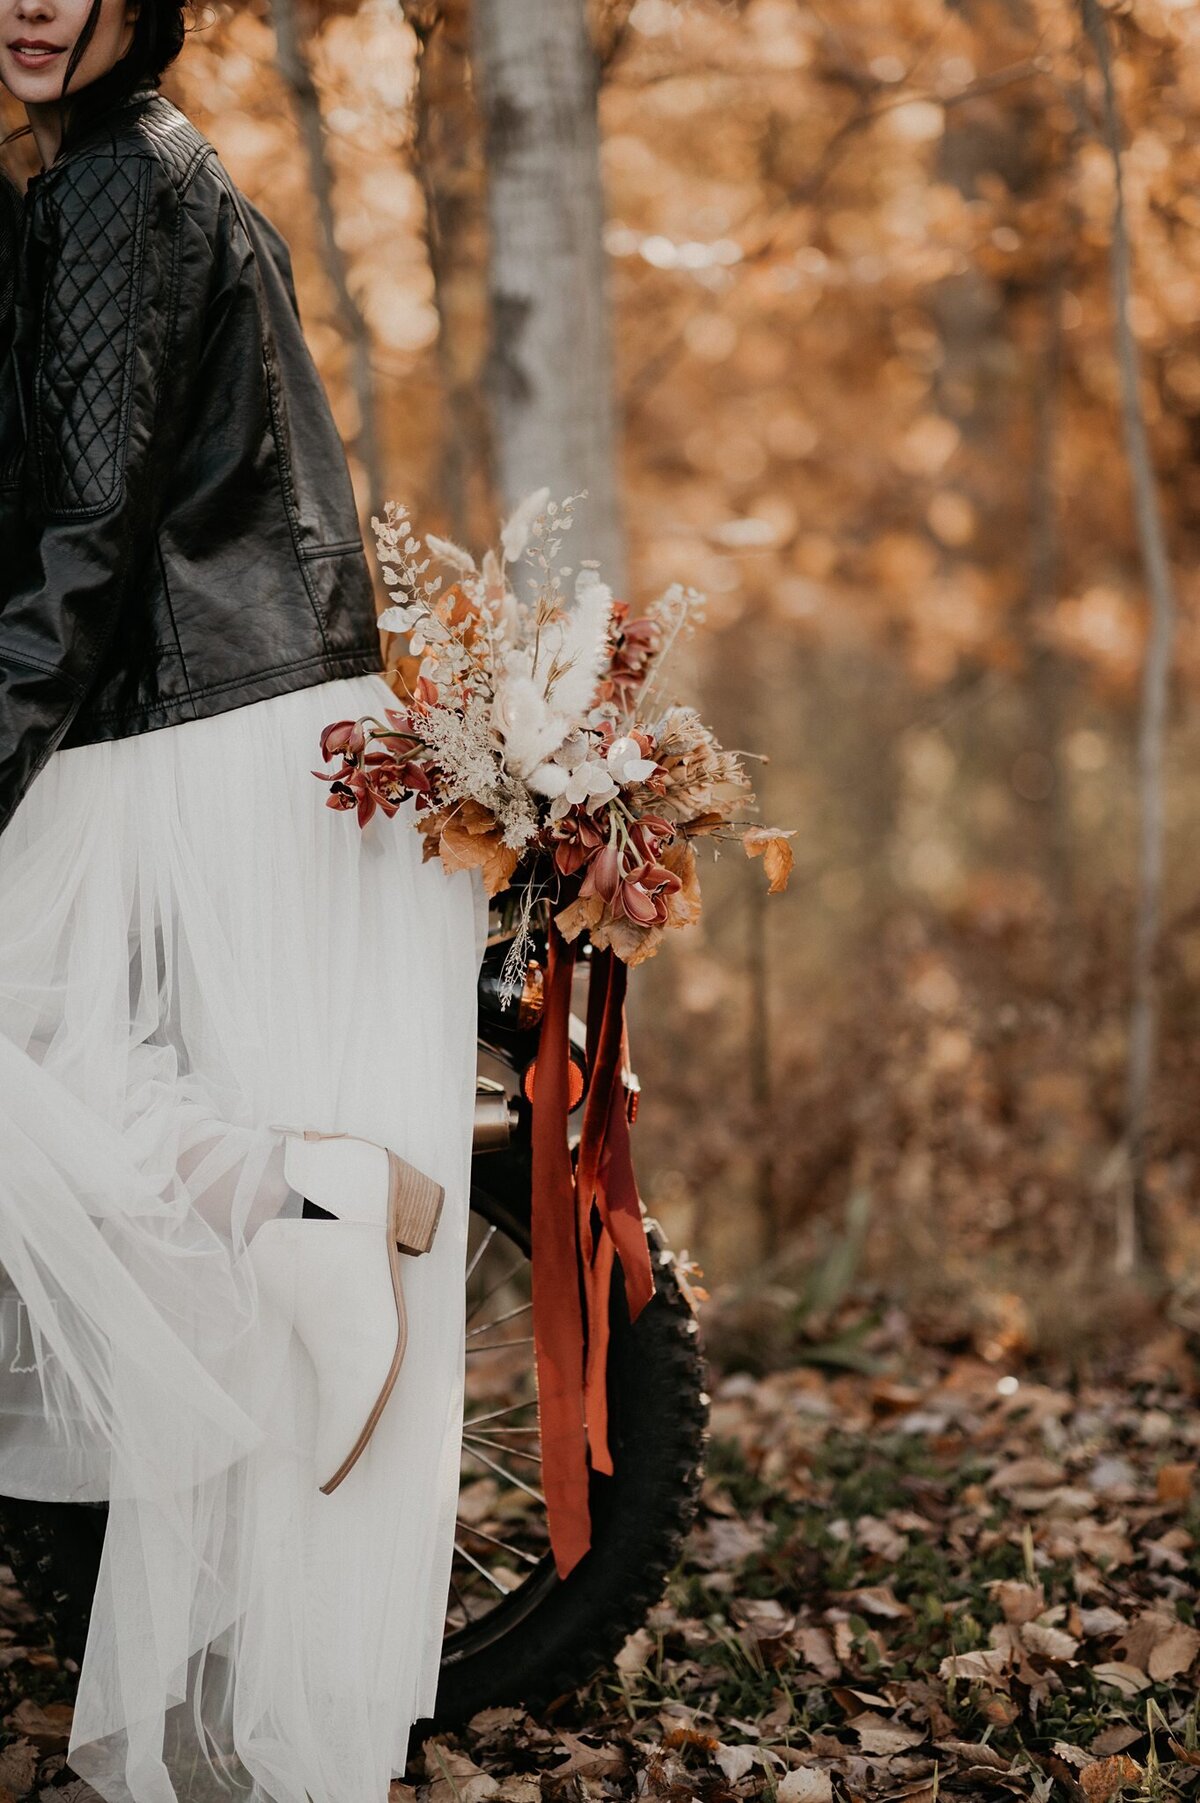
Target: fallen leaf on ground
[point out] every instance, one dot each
(455, 1776)
(803, 1784)
(1173, 1485)
(1123, 1677)
(1050, 1643)
(18, 1767)
(48, 1728)
(735, 1762)
(877, 1734)
(1105, 1777)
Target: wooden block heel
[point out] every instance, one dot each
(416, 1205)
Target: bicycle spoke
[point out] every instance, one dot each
(522, 1340)
(504, 1430)
(518, 1552)
(467, 1616)
(500, 1319)
(478, 1420)
(481, 1569)
(509, 1476)
(498, 1285)
(516, 1451)
(480, 1249)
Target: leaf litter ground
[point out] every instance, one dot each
(946, 1580)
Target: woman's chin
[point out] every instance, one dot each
(32, 87)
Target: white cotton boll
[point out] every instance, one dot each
(549, 779)
(514, 534)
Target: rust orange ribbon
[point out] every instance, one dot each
(572, 1260)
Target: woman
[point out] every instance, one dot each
(236, 1032)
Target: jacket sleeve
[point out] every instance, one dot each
(102, 262)
(10, 232)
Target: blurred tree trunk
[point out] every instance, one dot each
(1047, 676)
(449, 164)
(1136, 1239)
(1017, 730)
(549, 374)
(296, 73)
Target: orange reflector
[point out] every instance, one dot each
(574, 1082)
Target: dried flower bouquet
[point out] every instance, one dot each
(538, 742)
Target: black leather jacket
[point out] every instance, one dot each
(178, 532)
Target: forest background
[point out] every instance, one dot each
(880, 323)
(867, 372)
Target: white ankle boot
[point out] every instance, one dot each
(339, 1281)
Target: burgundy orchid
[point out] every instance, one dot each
(649, 834)
(603, 874)
(633, 890)
(346, 736)
(577, 839)
(642, 894)
(635, 644)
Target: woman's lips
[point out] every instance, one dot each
(32, 59)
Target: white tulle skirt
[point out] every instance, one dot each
(193, 947)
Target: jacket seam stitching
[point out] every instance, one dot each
(217, 688)
(42, 665)
(341, 549)
(166, 589)
(282, 464)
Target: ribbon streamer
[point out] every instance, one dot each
(571, 1262)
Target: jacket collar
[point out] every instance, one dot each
(130, 106)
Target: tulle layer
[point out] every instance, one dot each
(196, 948)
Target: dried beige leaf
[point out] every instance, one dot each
(49, 1728)
(987, 1666)
(815, 1647)
(877, 1734)
(1175, 1653)
(1126, 1678)
(771, 845)
(635, 1653)
(455, 1776)
(735, 1762)
(1019, 1602)
(1115, 1740)
(1108, 1544)
(975, 1753)
(596, 1762)
(1102, 1620)
(803, 1784)
(1051, 1643)
(1070, 1754)
(1033, 1473)
(880, 1537)
(878, 1600)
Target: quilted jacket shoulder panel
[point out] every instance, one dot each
(97, 221)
